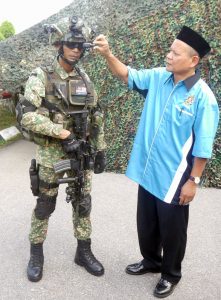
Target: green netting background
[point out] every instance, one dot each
(144, 44)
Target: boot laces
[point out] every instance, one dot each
(90, 256)
(36, 261)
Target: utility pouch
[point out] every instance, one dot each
(97, 123)
(34, 178)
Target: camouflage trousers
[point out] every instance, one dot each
(81, 221)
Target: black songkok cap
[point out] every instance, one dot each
(193, 39)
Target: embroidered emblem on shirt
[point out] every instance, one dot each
(189, 101)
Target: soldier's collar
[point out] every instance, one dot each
(62, 73)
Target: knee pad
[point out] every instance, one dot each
(45, 206)
(84, 206)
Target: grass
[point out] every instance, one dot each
(7, 119)
(4, 143)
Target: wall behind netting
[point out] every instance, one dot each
(143, 44)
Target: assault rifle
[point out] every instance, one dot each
(80, 160)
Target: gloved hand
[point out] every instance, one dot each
(100, 162)
(70, 144)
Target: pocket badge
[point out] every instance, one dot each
(189, 101)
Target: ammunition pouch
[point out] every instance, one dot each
(97, 121)
(100, 162)
(24, 106)
(34, 178)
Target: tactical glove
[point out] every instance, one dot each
(100, 162)
(70, 144)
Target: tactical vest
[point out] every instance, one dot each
(75, 93)
(72, 93)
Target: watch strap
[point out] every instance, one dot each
(194, 179)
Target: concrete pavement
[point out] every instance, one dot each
(114, 241)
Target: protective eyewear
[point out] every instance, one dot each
(72, 45)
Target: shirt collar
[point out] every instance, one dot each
(189, 82)
(169, 77)
(61, 72)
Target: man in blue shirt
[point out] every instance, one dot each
(173, 142)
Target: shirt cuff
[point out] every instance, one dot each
(130, 79)
(56, 130)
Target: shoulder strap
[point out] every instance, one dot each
(84, 79)
(50, 106)
(27, 106)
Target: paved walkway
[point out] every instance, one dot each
(114, 241)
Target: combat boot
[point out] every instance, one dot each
(85, 258)
(35, 265)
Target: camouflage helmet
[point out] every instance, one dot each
(69, 30)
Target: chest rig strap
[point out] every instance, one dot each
(49, 73)
(88, 88)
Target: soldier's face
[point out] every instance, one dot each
(72, 54)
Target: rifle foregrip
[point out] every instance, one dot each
(66, 180)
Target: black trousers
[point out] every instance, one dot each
(162, 234)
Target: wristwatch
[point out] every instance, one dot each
(195, 179)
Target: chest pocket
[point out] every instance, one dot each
(78, 93)
(184, 115)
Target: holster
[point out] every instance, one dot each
(34, 178)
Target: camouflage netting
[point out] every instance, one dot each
(28, 49)
(140, 33)
(143, 44)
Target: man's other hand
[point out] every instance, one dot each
(70, 144)
(64, 134)
(188, 192)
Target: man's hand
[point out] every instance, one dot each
(116, 66)
(64, 134)
(70, 144)
(188, 192)
(102, 46)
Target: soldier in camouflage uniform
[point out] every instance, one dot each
(53, 132)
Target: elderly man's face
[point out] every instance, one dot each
(181, 59)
